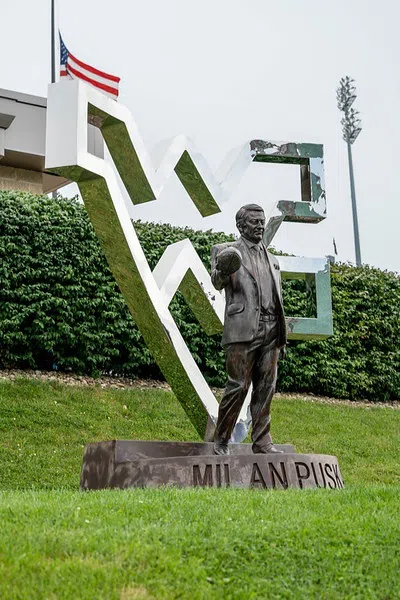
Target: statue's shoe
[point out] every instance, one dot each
(270, 449)
(221, 448)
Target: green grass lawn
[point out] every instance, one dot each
(56, 542)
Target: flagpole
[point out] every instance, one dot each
(53, 42)
(53, 53)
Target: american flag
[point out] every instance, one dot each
(72, 68)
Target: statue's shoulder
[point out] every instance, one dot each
(216, 249)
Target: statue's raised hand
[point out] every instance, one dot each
(229, 260)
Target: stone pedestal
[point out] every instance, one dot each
(124, 464)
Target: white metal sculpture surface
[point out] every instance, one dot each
(71, 105)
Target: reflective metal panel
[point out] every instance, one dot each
(180, 268)
(67, 155)
(71, 105)
(321, 327)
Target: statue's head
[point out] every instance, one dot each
(250, 220)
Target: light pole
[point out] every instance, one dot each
(351, 128)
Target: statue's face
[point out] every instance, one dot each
(254, 226)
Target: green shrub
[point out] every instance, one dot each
(362, 358)
(60, 308)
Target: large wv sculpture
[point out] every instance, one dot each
(71, 106)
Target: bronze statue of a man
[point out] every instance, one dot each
(254, 330)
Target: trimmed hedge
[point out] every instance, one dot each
(61, 309)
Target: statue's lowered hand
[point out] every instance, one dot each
(229, 260)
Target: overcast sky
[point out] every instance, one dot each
(226, 71)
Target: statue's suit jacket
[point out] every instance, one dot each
(242, 295)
